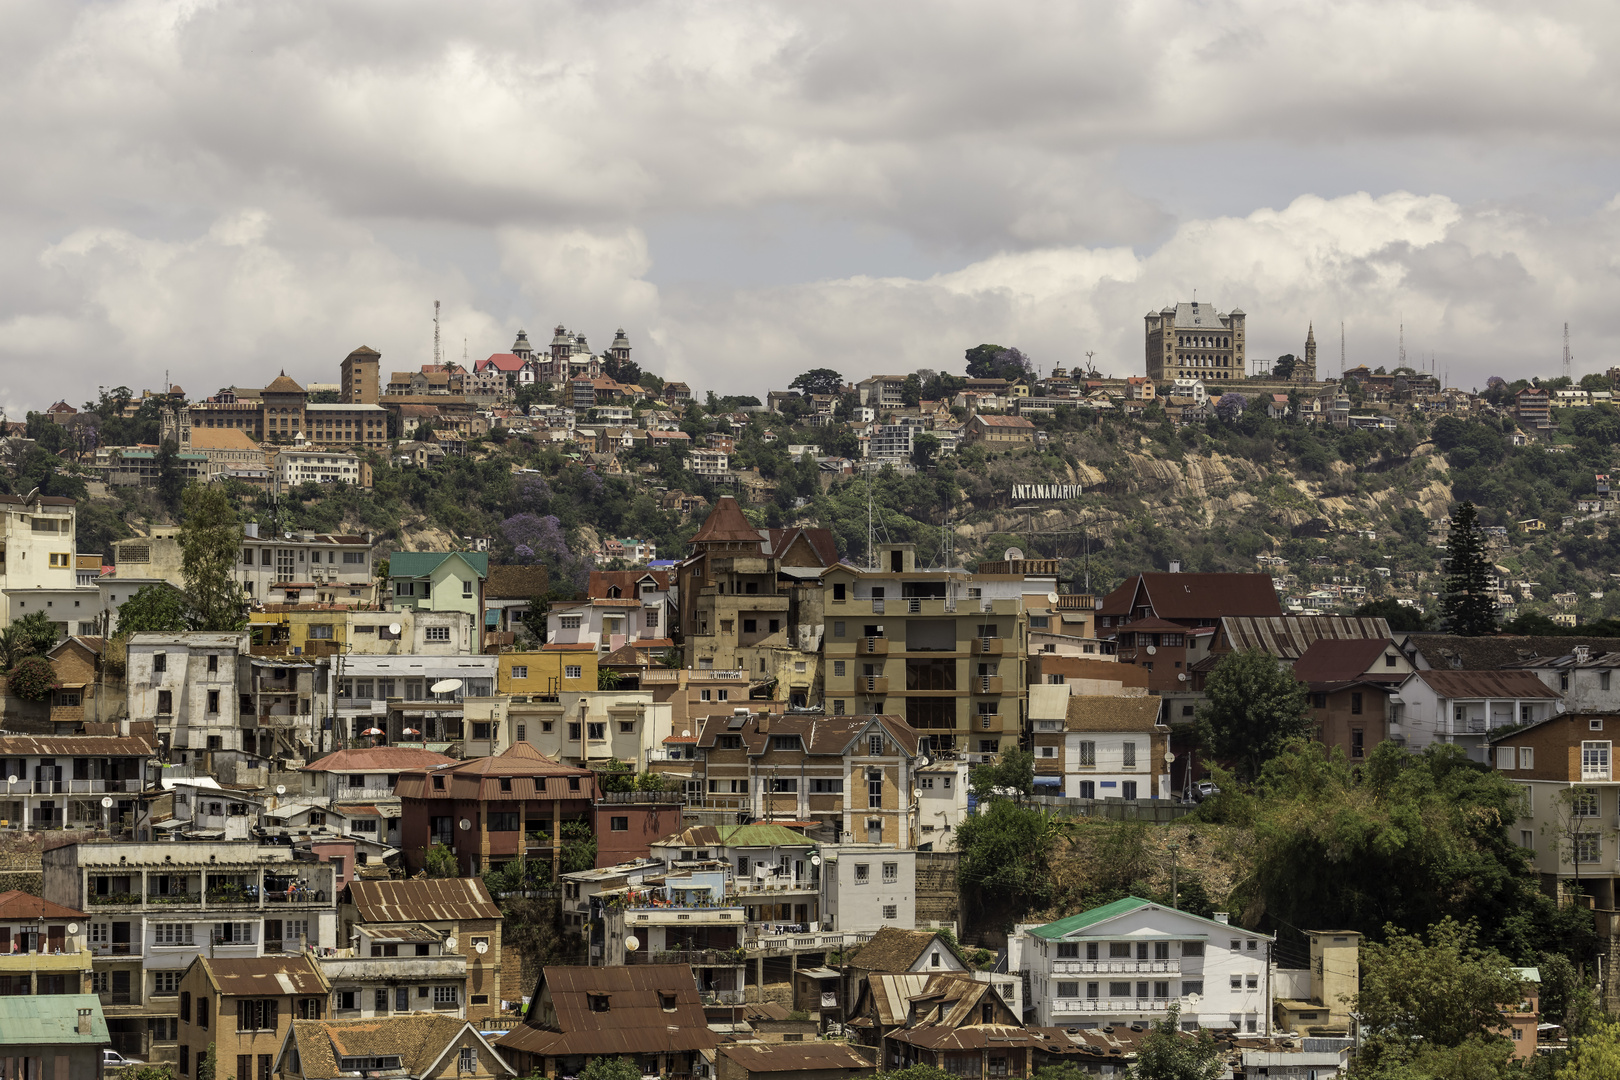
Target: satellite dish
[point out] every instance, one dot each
(1152, 649)
(281, 789)
(915, 794)
(1013, 554)
(686, 733)
(446, 686)
(73, 928)
(1193, 1000)
(815, 860)
(1051, 598)
(1182, 677)
(12, 778)
(1169, 758)
(1560, 709)
(450, 942)
(465, 824)
(106, 802)
(393, 628)
(480, 947)
(631, 944)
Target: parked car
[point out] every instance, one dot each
(1204, 789)
(112, 1059)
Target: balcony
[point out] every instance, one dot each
(1070, 1006)
(1116, 967)
(730, 915)
(986, 684)
(448, 966)
(871, 684)
(67, 787)
(772, 887)
(717, 997)
(694, 957)
(785, 944)
(989, 646)
(286, 721)
(115, 948)
(872, 646)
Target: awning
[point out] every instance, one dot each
(1049, 781)
(821, 972)
(492, 617)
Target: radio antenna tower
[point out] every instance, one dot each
(1341, 350)
(1567, 357)
(438, 356)
(1402, 361)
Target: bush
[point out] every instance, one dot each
(32, 679)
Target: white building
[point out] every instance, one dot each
(294, 467)
(713, 464)
(622, 607)
(1128, 961)
(867, 887)
(1193, 388)
(37, 546)
(942, 802)
(1466, 708)
(1586, 682)
(892, 442)
(395, 693)
(188, 684)
(581, 727)
(298, 567)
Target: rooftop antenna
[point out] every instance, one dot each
(1567, 357)
(437, 355)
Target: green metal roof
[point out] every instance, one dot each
(762, 834)
(51, 1019)
(1065, 927)
(421, 564)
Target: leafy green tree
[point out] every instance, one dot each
(1401, 619)
(1006, 861)
(1167, 1054)
(1465, 604)
(924, 447)
(171, 481)
(818, 381)
(1442, 991)
(440, 862)
(154, 609)
(610, 1068)
(32, 679)
(916, 1072)
(1596, 1055)
(608, 679)
(1255, 707)
(423, 432)
(37, 632)
(206, 1063)
(1284, 367)
(210, 540)
(1011, 774)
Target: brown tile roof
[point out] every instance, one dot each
(1329, 660)
(1498, 684)
(221, 439)
(832, 735)
(511, 582)
(726, 523)
(794, 1057)
(893, 949)
(821, 541)
(1288, 636)
(1112, 714)
(635, 1021)
(283, 385)
(17, 904)
(383, 759)
(1003, 421)
(626, 581)
(533, 775)
(1443, 651)
(418, 1039)
(425, 900)
(1194, 596)
(265, 976)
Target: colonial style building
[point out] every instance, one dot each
(1194, 341)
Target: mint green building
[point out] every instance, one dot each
(439, 581)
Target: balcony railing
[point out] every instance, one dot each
(872, 684)
(694, 957)
(1063, 1006)
(719, 997)
(67, 787)
(987, 684)
(1115, 967)
(877, 606)
(990, 646)
(873, 646)
(115, 948)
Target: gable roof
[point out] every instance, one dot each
(1482, 684)
(416, 564)
(1442, 651)
(221, 439)
(425, 900)
(636, 1021)
(420, 1040)
(894, 949)
(1341, 660)
(832, 735)
(759, 834)
(501, 362)
(1287, 637)
(1098, 713)
(627, 582)
(264, 976)
(51, 1020)
(1086, 919)
(1194, 596)
(17, 904)
(726, 524)
(378, 759)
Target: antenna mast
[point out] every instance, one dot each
(1402, 361)
(1341, 350)
(1567, 357)
(438, 356)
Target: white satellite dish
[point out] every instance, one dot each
(12, 778)
(480, 947)
(1013, 554)
(686, 733)
(915, 794)
(815, 860)
(1194, 1000)
(1182, 677)
(1169, 758)
(1051, 598)
(631, 944)
(106, 802)
(446, 686)
(1151, 649)
(465, 824)
(73, 928)
(393, 628)
(450, 942)
(1560, 709)
(281, 789)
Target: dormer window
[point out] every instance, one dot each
(613, 592)
(598, 1002)
(666, 1001)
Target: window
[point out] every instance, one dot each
(619, 824)
(437, 633)
(750, 626)
(891, 873)
(1129, 760)
(1161, 950)
(891, 911)
(1584, 803)
(468, 1061)
(166, 983)
(172, 934)
(185, 1007)
(346, 999)
(185, 1060)
(1068, 989)
(1594, 725)
(321, 632)
(863, 873)
(165, 702)
(504, 821)
(244, 1065)
(569, 622)
(784, 742)
(466, 590)
(213, 701)
(1595, 761)
(1119, 950)
(256, 1014)
(839, 668)
(1119, 989)
(874, 745)
(729, 742)
(723, 695)
(1355, 704)
(1088, 755)
(874, 789)
(840, 591)
(1527, 839)
(1191, 986)
(444, 995)
(520, 671)
(202, 1012)
(1588, 848)
(1527, 757)
(1192, 948)
(213, 663)
(838, 707)
(573, 671)
(1358, 743)
(1252, 981)
(1068, 950)
(827, 787)
(596, 731)
(784, 785)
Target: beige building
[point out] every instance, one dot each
(241, 1008)
(1194, 341)
(944, 649)
(37, 545)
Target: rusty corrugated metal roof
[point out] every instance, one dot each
(74, 746)
(265, 976)
(427, 900)
(1288, 636)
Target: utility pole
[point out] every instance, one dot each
(1567, 357)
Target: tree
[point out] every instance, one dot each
(423, 432)
(610, 1068)
(1166, 1054)
(171, 482)
(1466, 606)
(1012, 773)
(995, 362)
(1596, 1055)
(1231, 406)
(923, 449)
(1401, 619)
(154, 609)
(1005, 868)
(1255, 707)
(818, 381)
(1284, 367)
(32, 679)
(13, 647)
(37, 633)
(210, 538)
(916, 1072)
(206, 1064)
(439, 861)
(1442, 990)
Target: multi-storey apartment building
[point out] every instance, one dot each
(323, 629)
(622, 607)
(1099, 747)
(37, 546)
(395, 969)
(395, 694)
(57, 781)
(305, 566)
(459, 914)
(1126, 962)
(155, 907)
(190, 685)
(592, 726)
(853, 775)
(240, 1009)
(323, 466)
(946, 651)
(358, 382)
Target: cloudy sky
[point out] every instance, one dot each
(223, 190)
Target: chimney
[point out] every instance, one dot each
(1221, 916)
(84, 1021)
(1175, 566)
(251, 530)
(763, 723)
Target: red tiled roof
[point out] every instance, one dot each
(627, 581)
(383, 759)
(501, 362)
(17, 904)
